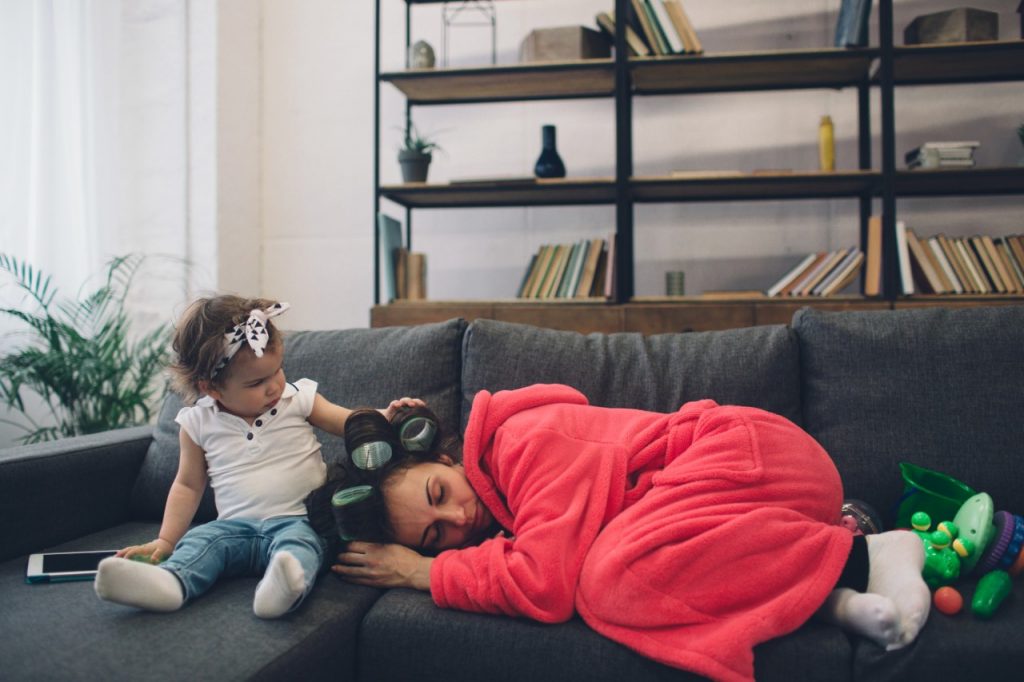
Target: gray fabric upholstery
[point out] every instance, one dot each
(65, 632)
(757, 366)
(405, 632)
(52, 492)
(941, 388)
(354, 368)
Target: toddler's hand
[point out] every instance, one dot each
(153, 551)
(393, 407)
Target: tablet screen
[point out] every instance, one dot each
(74, 561)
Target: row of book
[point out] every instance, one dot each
(820, 274)
(584, 269)
(978, 264)
(404, 271)
(655, 27)
(942, 155)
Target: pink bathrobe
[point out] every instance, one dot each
(689, 537)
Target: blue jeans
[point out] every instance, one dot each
(240, 547)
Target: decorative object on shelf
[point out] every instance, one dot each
(421, 55)
(549, 163)
(852, 25)
(468, 13)
(675, 283)
(565, 43)
(826, 144)
(94, 371)
(415, 155)
(961, 25)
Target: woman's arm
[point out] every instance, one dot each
(365, 563)
(331, 418)
(182, 501)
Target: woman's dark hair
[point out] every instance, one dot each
(366, 517)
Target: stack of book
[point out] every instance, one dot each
(820, 274)
(942, 155)
(655, 27)
(979, 264)
(584, 269)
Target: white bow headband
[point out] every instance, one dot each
(253, 331)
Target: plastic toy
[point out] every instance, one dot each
(974, 519)
(992, 590)
(948, 600)
(944, 550)
(860, 518)
(929, 491)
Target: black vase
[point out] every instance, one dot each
(549, 164)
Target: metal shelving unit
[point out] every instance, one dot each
(885, 67)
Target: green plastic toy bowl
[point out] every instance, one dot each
(939, 495)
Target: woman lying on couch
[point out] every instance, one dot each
(689, 537)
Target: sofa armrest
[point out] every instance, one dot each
(57, 491)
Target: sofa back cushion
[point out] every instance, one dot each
(354, 368)
(755, 366)
(940, 388)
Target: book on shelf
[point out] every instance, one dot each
(389, 233)
(791, 275)
(974, 265)
(927, 279)
(873, 258)
(665, 26)
(643, 18)
(1015, 256)
(988, 268)
(833, 259)
(554, 272)
(793, 286)
(846, 272)
(957, 154)
(609, 268)
(903, 258)
(677, 15)
(636, 45)
(540, 267)
(589, 269)
(953, 258)
(945, 266)
(1014, 273)
(852, 24)
(1009, 284)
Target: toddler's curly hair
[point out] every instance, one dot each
(199, 340)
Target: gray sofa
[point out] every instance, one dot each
(941, 388)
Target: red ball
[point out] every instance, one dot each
(948, 600)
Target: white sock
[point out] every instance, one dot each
(896, 559)
(282, 585)
(870, 615)
(135, 583)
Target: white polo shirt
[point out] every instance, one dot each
(262, 470)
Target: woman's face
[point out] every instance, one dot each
(433, 508)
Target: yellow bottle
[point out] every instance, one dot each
(826, 144)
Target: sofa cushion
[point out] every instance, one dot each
(354, 368)
(405, 636)
(937, 387)
(63, 631)
(757, 366)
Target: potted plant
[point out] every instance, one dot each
(81, 357)
(415, 155)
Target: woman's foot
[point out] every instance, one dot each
(868, 615)
(138, 584)
(896, 559)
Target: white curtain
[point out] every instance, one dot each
(94, 143)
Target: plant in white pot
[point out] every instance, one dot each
(415, 155)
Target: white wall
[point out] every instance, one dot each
(318, 130)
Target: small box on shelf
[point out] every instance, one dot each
(565, 43)
(960, 25)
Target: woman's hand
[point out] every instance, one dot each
(390, 410)
(366, 563)
(154, 551)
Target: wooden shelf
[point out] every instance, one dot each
(818, 68)
(560, 192)
(960, 63)
(543, 80)
(802, 185)
(959, 182)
